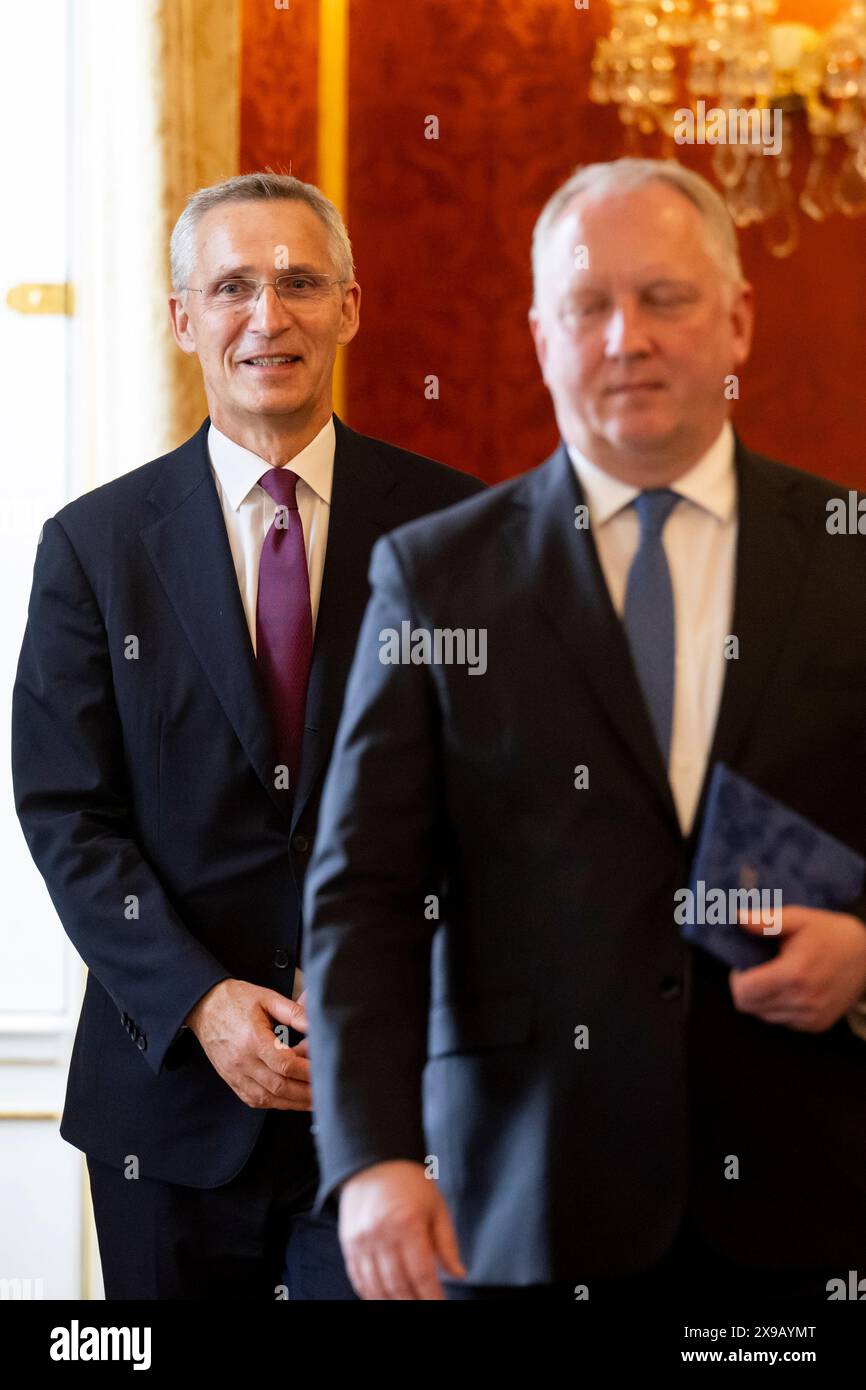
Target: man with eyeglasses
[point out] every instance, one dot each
(190, 630)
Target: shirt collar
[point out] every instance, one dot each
(710, 483)
(239, 469)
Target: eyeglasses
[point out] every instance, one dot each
(240, 293)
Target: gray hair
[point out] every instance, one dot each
(624, 175)
(253, 188)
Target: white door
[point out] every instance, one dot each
(46, 1247)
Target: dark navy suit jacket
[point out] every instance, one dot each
(143, 770)
(556, 902)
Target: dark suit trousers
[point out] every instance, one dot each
(160, 1240)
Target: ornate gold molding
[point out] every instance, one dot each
(333, 125)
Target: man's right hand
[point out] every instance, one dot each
(394, 1229)
(234, 1022)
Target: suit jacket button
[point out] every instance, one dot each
(670, 988)
(141, 1042)
(281, 959)
(301, 843)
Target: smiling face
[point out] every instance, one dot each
(636, 336)
(245, 239)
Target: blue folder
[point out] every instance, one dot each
(751, 841)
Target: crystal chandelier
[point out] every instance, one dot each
(664, 59)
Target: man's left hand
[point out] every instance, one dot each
(818, 975)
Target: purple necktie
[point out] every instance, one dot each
(284, 620)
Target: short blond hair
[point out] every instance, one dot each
(624, 175)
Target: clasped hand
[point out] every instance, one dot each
(234, 1022)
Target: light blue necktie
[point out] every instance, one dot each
(648, 616)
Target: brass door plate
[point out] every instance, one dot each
(41, 299)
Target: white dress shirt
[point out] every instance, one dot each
(699, 540)
(248, 511)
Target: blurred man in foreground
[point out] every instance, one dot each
(568, 1099)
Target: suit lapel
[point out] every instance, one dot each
(772, 561)
(362, 478)
(189, 549)
(567, 581)
(569, 585)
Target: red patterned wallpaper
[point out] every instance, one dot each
(279, 89)
(441, 229)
